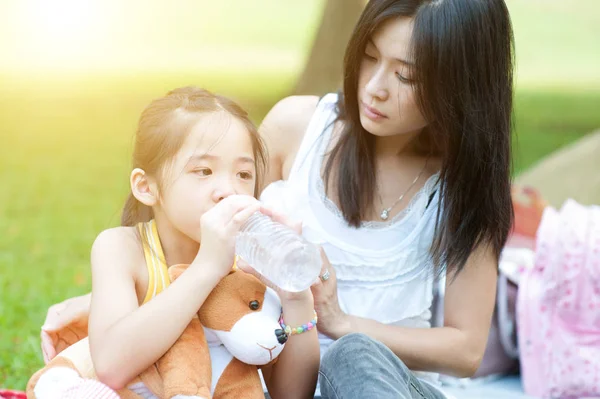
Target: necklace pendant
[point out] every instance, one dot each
(384, 214)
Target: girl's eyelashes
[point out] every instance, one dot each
(245, 175)
(370, 57)
(203, 172)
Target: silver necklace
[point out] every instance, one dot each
(385, 213)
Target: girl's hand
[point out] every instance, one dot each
(66, 323)
(333, 322)
(283, 295)
(219, 226)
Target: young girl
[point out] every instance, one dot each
(196, 164)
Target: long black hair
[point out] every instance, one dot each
(463, 52)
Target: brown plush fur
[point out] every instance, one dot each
(186, 368)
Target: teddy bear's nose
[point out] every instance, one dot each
(281, 336)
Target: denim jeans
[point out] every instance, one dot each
(356, 366)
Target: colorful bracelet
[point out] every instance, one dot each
(298, 330)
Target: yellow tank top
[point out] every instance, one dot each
(158, 277)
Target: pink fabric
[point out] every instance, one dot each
(89, 389)
(10, 394)
(558, 306)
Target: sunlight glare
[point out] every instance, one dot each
(62, 32)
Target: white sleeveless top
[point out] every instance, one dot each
(384, 269)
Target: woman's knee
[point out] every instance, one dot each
(360, 351)
(344, 348)
(356, 363)
(354, 351)
(342, 364)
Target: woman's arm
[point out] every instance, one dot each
(282, 130)
(125, 338)
(66, 323)
(455, 349)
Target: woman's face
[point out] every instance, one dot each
(385, 94)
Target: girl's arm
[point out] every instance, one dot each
(294, 375)
(125, 338)
(455, 349)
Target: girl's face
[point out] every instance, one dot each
(215, 161)
(385, 94)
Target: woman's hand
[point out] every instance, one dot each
(219, 227)
(66, 323)
(333, 322)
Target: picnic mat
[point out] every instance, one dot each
(8, 394)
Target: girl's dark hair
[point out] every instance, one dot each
(463, 80)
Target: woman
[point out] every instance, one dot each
(403, 178)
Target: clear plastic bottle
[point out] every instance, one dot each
(278, 253)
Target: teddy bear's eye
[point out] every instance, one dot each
(254, 305)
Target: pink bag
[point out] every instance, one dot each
(558, 306)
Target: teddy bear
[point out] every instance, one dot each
(217, 356)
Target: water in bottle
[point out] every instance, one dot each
(278, 253)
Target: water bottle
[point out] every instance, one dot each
(278, 253)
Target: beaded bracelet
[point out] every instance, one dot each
(298, 330)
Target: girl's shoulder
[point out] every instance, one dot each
(118, 248)
(125, 236)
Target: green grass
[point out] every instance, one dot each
(65, 145)
(557, 42)
(546, 120)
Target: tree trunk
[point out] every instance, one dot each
(323, 70)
